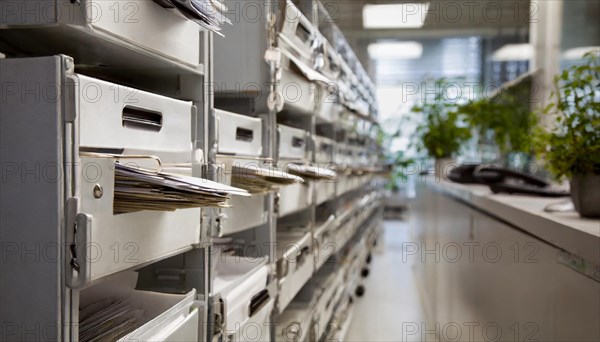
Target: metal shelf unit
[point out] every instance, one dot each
(224, 102)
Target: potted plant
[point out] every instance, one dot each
(571, 147)
(441, 131)
(506, 118)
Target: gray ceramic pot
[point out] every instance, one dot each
(585, 192)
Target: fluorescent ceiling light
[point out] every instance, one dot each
(513, 52)
(407, 15)
(578, 52)
(395, 50)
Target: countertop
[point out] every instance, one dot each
(566, 230)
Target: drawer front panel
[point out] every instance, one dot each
(292, 143)
(245, 213)
(117, 117)
(295, 197)
(239, 134)
(164, 32)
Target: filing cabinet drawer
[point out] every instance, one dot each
(331, 292)
(324, 242)
(238, 134)
(241, 284)
(342, 185)
(295, 197)
(344, 156)
(295, 264)
(259, 324)
(130, 123)
(245, 213)
(293, 325)
(119, 242)
(181, 322)
(297, 33)
(113, 117)
(298, 93)
(163, 32)
(328, 108)
(293, 143)
(325, 190)
(126, 30)
(324, 149)
(149, 315)
(296, 41)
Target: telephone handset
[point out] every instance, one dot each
(502, 180)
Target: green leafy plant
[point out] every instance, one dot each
(572, 146)
(396, 161)
(441, 132)
(398, 172)
(507, 116)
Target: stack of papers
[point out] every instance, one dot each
(139, 189)
(312, 172)
(206, 13)
(260, 180)
(361, 170)
(107, 320)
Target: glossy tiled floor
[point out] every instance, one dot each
(391, 309)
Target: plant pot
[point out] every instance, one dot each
(443, 167)
(585, 193)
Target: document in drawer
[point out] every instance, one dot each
(206, 13)
(108, 320)
(139, 189)
(312, 172)
(260, 180)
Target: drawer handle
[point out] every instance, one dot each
(258, 301)
(326, 148)
(297, 142)
(243, 134)
(303, 33)
(144, 119)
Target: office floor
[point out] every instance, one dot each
(391, 308)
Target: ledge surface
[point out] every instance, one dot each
(566, 230)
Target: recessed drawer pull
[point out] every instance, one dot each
(243, 134)
(144, 119)
(297, 142)
(258, 301)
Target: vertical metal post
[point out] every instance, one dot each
(545, 36)
(209, 138)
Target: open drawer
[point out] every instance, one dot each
(297, 41)
(114, 310)
(238, 134)
(293, 143)
(328, 95)
(294, 323)
(136, 124)
(138, 237)
(295, 263)
(240, 284)
(297, 92)
(136, 35)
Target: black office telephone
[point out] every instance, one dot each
(503, 180)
